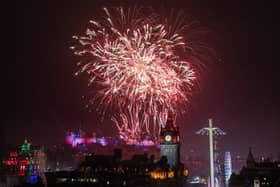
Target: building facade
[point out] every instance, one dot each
(170, 142)
(257, 174)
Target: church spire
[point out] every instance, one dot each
(250, 159)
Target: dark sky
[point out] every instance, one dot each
(42, 98)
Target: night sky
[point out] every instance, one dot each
(42, 98)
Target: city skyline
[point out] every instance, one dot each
(43, 98)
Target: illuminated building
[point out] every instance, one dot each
(81, 139)
(257, 174)
(111, 170)
(27, 162)
(227, 167)
(170, 142)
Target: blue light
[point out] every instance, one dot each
(33, 179)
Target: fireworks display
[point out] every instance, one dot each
(141, 64)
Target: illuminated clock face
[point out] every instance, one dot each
(168, 138)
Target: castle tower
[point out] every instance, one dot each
(170, 142)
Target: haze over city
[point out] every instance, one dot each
(239, 91)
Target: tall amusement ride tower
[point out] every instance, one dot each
(211, 131)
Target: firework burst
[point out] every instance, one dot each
(140, 64)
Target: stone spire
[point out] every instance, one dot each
(250, 159)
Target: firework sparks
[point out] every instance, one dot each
(139, 66)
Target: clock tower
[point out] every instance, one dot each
(170, 142)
